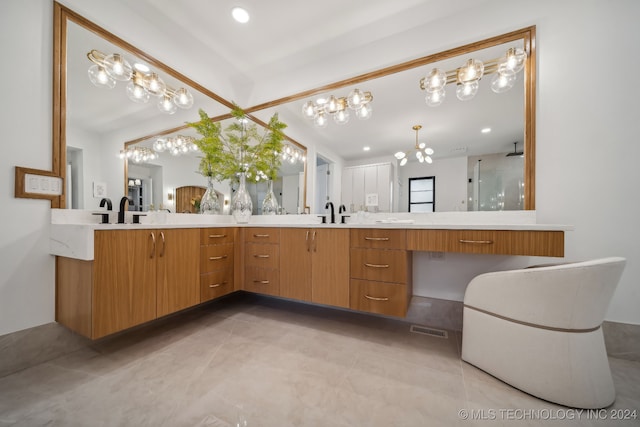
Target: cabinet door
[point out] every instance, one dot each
(295, 263)
(347, 189)
(124, 285)
(178, 269)
(330, 267)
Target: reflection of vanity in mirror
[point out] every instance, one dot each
(484, 147)
(471, 170)
(104, 122)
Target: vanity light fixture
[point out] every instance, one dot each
(467, 77)
(138, 154)
(292, 154)
(176, 145)
(107, 69)
(322, 108)
(423, 153)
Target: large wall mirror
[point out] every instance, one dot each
(473, 170)
(93, 124)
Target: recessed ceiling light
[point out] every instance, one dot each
(366, 148)
(486, 130)
(239, 14)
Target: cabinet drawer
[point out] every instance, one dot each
(215, 257)
(262, 235)
(379, 264)
(262, 280)
(377, 238)
(505, 242)
(262, 255)
(216, 236)
(216, 284)
(376, 297)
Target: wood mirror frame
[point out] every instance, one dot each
(61, 17)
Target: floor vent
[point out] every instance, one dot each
(429, 331)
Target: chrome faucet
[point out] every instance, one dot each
(333, 212)
(123, 202)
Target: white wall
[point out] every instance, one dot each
(587, 148)
(451, 183)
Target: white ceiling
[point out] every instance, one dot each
(288, 47)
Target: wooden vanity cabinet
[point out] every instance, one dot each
(262, 260)
(217, 262)
(381, 270)
(314, 265)
(136, 276)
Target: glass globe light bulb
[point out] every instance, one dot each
(355, 99)
(471, 71)
(341, 117)
(118, 67)
(400, 155)
(99, 77)
(403, 162)
(155, 85)
(166, 105)
(514, 59)
(419, 156)
(364, 112)
(467, 91)
(435, 81)
(502, 82)
(422, 145)
(183, 98)
(428, 159)
(321, 120)
(428, 151)
(158, 145)
(309, 109)
(332, 105)
(137, 93)
(436, 98)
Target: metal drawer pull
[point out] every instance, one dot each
(262, 282)
(217, 236)
(376, 265)
(217, 285)
(261, 256)
(153, 248)
(376, 298)
(382, 239)
(216, 258)
(477, 242)
(260, 235)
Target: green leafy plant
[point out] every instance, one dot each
(239, 147)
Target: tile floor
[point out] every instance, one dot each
(254, 361)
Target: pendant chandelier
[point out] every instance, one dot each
(338, 107)
(143, 83)
(467, 77)
(423, 153)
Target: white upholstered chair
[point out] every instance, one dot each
(539, 329)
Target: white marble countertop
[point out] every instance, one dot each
(72, 231)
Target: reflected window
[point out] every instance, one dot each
(422, 197)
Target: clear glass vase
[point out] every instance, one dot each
(241, 205)
(270, 203)
(210, 204)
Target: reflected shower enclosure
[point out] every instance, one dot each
(495, 183)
